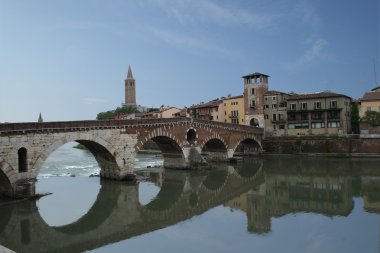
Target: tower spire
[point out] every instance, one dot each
(130, 89)
(40, 120)
(129, 76)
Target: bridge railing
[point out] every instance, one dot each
(6, 128)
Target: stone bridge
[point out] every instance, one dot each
(25, 146)
(117, 213)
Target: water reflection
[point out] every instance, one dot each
(262, 188)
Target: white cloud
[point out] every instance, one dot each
(187, 12)
(93, 101)
(317, 51)
(190, 42)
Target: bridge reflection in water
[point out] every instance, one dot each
(262, 188)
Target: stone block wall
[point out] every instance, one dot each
(322, 145)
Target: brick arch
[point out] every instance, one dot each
(159, 132)
(245, 137)
(212, 137)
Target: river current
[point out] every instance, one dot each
(268, 204)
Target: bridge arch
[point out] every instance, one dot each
(170, 146)
(102, 152)
(247, 145)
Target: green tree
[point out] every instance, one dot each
(355, 119)
(110, 114)
(372, 118)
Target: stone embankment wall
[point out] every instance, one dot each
(297, 145)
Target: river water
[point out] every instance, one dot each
(269, 204)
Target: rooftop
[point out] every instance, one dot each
(255, 74)
(370, 96)
(322, 94)
(274, 92)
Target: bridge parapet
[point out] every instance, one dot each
(69, 126)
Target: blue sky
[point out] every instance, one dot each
(68, 59)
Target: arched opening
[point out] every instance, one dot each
(69, 174)
(254, 122)
(191, 136)
(247, 147)
(214, 150)
(149, 157)
(171, 152)
(22, 160)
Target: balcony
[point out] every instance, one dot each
(233, 116)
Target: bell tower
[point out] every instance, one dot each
(255, 86)
(130, 89)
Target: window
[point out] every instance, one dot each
(304, 116)
(333, 104)
(303, 106)
(298, 126)
(281, 126)
(266, 98)
(266, 116)
(281, 117)
(317, 105)
(333, 115)
(274, 98)
(253, 103)
(274, 117)
(318, 125)
(274, 106)
(333, 124)
(235, 121)
(266, 106)
(369, 108)
(253, 91)
(293, 107)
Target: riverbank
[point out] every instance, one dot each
(316, 145)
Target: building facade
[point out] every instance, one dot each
(130, 89)
(275, 113)
(255, 86)
(212, 110)
(370, 102)
(233, 108)
(321, 113)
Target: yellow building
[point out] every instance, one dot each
(370, 102)
(234, 110)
